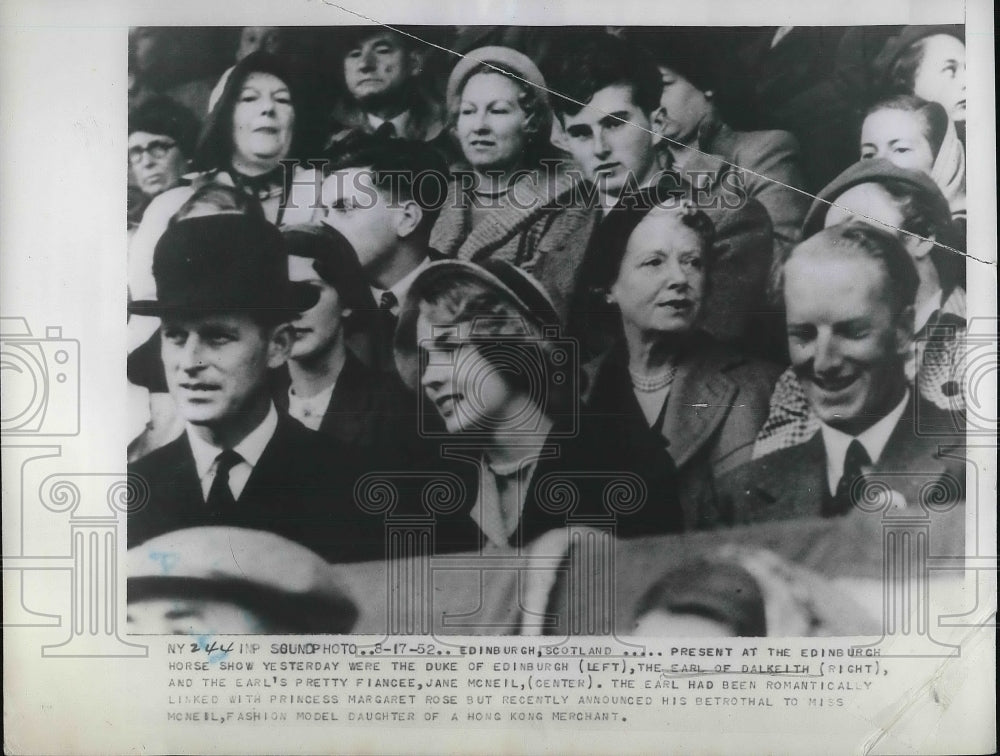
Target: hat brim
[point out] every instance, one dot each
(298, 298)
(543, 316)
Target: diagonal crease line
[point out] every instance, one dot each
(547, 90)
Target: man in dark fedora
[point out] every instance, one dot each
(225, 300)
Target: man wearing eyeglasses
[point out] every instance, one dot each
(161, 138)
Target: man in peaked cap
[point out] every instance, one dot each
(225, 301)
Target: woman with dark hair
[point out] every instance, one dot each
(917, 134)
(725, 166)
(504, 203)
(251, 130)
(481, 342)
(675, 392)
(326, 384)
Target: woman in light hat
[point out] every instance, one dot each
(482, 343)
(510, 203)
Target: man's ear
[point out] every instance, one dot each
(408, 218)
(279, 345)
(415, 60)
(558, 135)
(904, 330)
(658, 123)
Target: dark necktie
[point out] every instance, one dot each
(854, 461)
(386, 329)
(387, 302)
(220, 496)
(386, 130)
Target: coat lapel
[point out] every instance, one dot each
(698, 403)
(909, 461)
(270, 470)
(347, 409)
(181, 475)
(789, 483)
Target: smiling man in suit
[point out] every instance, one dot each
(849, 293)
(225, 300)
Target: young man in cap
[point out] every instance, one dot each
(384, 196)
(849, 293)
(225, 300)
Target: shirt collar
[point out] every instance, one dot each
(401, 121)
(402, 286)
(873, 439)
(926, 310)
(250, 448)
(611, 201)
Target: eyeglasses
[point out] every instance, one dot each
(158, 149)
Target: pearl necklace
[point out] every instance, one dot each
(649, 385)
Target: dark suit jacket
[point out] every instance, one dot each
(588, 464)
(792, 482)
(300, 488)
(366, 407)
(716, 406)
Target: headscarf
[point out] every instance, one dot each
(948, 171)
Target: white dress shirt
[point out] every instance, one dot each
(401, 122)
(873, 439)
(402, 287)
(250, 449)
(928, 308)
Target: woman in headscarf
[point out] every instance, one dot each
(505, 203)
(917, 134)
(250, 131)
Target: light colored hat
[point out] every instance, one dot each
(264, 572)
(506, 59)
(527, 295)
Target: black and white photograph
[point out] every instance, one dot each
(528, 384)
